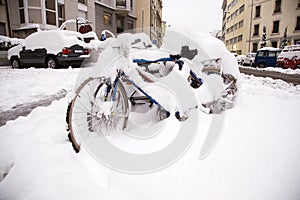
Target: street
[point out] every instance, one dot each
(289, 78)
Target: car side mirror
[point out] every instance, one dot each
(23, 48)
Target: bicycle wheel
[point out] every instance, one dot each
(94, 110)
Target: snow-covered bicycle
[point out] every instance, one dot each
(102, 105)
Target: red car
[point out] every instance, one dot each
(289, 57)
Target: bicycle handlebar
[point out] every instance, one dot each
(171, 58)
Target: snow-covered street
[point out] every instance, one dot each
(257, 156)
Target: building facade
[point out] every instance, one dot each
(149, 18)
(235, 25)
(115, 15)
(23, 17)
(243, 22)
(280, 18)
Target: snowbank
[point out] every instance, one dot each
(257, 157)
(13, 41)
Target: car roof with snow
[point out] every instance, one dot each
(292, 47)
(269, 49)
(52, 40)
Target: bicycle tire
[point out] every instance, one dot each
(83, 108)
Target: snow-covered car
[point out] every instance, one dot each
(248, 59)
(51, 49)
(289, 57)
(239, 58)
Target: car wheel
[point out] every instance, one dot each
(261, 65)
(15, 63)
(51, 63)
(251, 64)
(281, 66)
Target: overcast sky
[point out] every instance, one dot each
(199, 15)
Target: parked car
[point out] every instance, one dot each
(266, 57)
(52, 49)
(249, 59)
(289, 57)
(239, 58)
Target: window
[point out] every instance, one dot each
(297, 28)
(50, 18)
(22, 15)
(2, 28)
(34, 11)
(256, 30)
(254, 47)
(262, 54)
(257, 11)
(275, 26)
(121, 3)
(120, 24)
(21, 11)
(277, 6)
(107, 19)
(21, 4)
(50, 4)
(34, 3)
(82, 1)
(241, 24)
(130, 25)
(50, 12)
(61, 14)
(35, 15)
(242, 8)
(274, 44)
(240, 38)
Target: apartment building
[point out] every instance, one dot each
(280, 17)
(243, 22)
(149, 18)
(235, 25)
(19, 18)
(115, 15)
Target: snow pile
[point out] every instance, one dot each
(42, 161)
(7, 42)
(256, 158)
(12, 41)
(278, 69)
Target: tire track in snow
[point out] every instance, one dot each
(26, 108)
